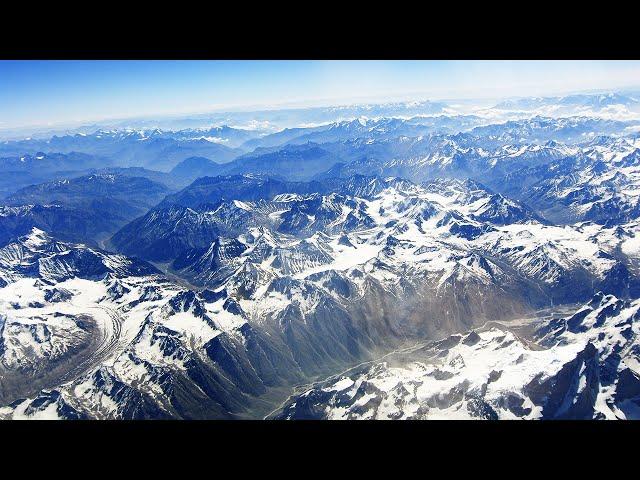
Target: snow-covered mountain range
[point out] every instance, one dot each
(432, 265)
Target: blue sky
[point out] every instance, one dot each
(57, 92)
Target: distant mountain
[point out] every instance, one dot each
(52, 162)
(154, 149)
(167, 179)
(112, 199)
(209, 190)
(365, 128)
(77, 190)
(589, 104)
(67, 223)
(224, 135)
(437, 156)
(382, 148)
(195, 167)
(544, 129)
(598, 183)
(13, 180)
(282, 137)
(292, 162)
(600, 100)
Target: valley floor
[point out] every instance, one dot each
(567, 362)
(522, 327)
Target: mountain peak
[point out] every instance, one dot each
(35, 238)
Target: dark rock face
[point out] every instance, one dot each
(45, 399)
(471, 339)
(571, 394)
(481, 409)
(57, 295)
(223, 353)
(116, 290)
(628, 387)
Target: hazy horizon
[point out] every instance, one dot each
(50, 94)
